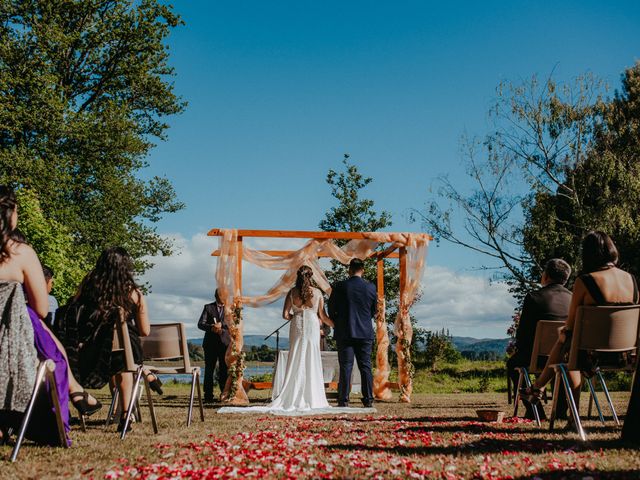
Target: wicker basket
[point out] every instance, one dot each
(490, 415)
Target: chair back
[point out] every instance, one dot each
(543, 341)
(166, 341)
(604, 329)
(122, 341)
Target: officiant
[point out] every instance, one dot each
(215, 343)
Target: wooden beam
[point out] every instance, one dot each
(216, 232)
(283, 253)
(403, 270)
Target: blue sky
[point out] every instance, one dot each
(278, 91)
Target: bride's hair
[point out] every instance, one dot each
(304, 284)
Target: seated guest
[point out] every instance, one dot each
(551, 302)
(106, 291)
(53, 303)
(24, 338)
(601, 283)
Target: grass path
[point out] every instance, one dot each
(437, 436)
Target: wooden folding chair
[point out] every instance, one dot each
(543, 341)
(122, 342)
(43, 375)
(597, 329)
(168, 341)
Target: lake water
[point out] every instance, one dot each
(248, 373)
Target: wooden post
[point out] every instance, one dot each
(381, 379)
(235, 359)
(404, 334)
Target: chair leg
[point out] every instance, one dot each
(27, 414)
(132, 402)
(554, 399)
(152, 411)
(590, 407)
(534, 407)
(516, 399)
(138, 411)
(114, 401)
(593, 398)
(193, 391)
(199, 396)
(606, 394)
(571, 401)
(53, 389)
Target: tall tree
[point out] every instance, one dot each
(85, 88)
(353, 213)
(605, 187)
(543, 133)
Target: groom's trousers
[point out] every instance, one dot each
(361, 350)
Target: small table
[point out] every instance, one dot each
(330, 371)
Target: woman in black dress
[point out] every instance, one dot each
(106, 291)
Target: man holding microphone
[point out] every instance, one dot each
(215, 343)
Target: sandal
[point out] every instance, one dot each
(156, 385)
(531, 394)
(83, 406)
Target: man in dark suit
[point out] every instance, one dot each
(551, 302)
(215, 343)
(352, 306)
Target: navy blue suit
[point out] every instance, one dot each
(352, 307)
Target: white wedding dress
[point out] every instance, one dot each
(302, 391)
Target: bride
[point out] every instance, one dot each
(302, 391)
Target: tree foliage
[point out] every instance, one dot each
(561, 160)
(54, 244)
(356, 214)
(84, 93)
(353, 213)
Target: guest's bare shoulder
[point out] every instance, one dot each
(136, 296)
(22, 252)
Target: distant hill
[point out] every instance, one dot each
(254, 340)
(497, 345)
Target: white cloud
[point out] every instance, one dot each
(467, 305)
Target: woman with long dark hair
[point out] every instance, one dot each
(20, 271)
(107, 291)
(601, 283)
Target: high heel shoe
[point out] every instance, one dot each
(121, 423)
(531, 394)
(82, 405)
(156, 385)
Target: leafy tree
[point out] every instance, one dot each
(605, 187)
(356, 214)
(84, 92)
(439, 348)
(54, 244)
(543, 133)
(196, 352)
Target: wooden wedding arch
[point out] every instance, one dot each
(408, 248)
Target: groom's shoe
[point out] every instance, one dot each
(367, 404)
(343, 404)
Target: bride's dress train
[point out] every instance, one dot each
(302, 391)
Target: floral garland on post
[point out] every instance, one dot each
(406, 368)
(381, 379)
(236, 368)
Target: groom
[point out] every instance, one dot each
(352, 306)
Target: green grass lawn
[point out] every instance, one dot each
(434, 437)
